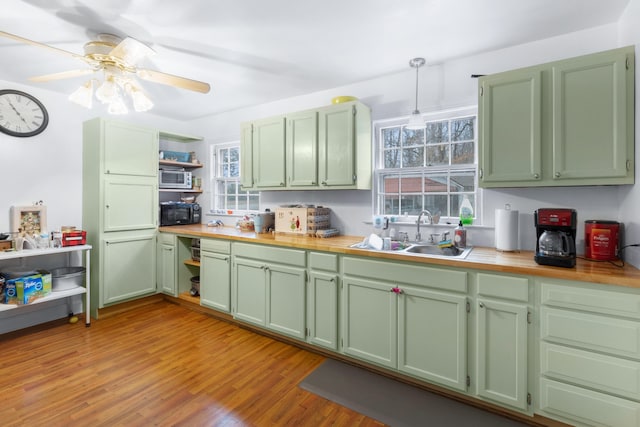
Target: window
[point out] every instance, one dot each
(432, 168)
(228, 196)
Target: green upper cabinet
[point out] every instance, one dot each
(269, 152)
(591, 125)
(510, 110)
(129, 149)
(302, 149)
(564, 123)
(323, 148)
(246, 148)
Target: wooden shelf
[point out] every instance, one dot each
(192, 262)
(179, 190)
(181, 164)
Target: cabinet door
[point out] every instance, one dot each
(286, 300)
(590, 118)
(130, 150)
(336, 149)
(167, 278)
(370, 321)
(249, 291)
(502, 352)
(215, 281)
(246, 155)
(128, 269)
(130, 203)
(322, 309)
(302, 149)
(269, 152)
(510, 127)
(432, 336)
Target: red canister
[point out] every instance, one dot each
(601, 240)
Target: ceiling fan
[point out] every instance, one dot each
(118, 59)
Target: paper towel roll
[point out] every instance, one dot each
(506, 230)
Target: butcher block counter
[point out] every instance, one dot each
(480, 258)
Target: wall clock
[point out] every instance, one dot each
(21, 114)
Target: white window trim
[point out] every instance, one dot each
(378, 161)
(214, 177)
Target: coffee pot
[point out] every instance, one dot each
(554, 243)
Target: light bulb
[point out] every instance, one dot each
(83, 95)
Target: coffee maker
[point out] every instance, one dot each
(556, 237)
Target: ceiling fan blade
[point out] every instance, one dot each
(131, 51)
(171, 80)
(62, 75)
(46, 46)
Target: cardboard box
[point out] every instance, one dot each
(291, 220)
(24, 290)
(302, 220)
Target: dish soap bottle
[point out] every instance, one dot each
(460, 236)
(466, 212)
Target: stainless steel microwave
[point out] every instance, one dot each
(174, 178)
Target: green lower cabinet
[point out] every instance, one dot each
(432, 336)
(286, 300)
(589, 353)
(249, 291)
(322, 309)
(502, 352)
(167, 279)
(370, 321)
(128, 266)
(215, 281)
(268, 293)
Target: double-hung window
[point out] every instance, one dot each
(228, 196)
(432, 168)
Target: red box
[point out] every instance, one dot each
(74, 238)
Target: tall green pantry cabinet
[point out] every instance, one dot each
(120, 209)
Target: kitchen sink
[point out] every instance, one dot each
(425, 250)
(435, 251)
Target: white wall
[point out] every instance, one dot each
(48, 166)
(444, 86)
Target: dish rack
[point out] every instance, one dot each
(195, 249)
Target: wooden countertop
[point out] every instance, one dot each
(480, 258)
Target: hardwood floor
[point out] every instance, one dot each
(159, 365)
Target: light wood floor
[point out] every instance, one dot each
(159, 365)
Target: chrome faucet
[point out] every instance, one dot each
(418, 235)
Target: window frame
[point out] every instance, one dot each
(216, 179)
(379, 171)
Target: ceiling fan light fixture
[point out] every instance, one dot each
(83, 95)
(141, 102)
(108, 90)
(415, 121)
(117, 106)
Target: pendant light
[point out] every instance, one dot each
(416, 121)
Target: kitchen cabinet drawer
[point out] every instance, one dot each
(438, 278)
(166, 239)
(322, 261)
(505, 287)
(613, 336)
(213, 245)
(269, 254)
(586, 406)
(593, 370)
(621, 302)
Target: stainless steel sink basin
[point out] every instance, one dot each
(425, 250)
(435, 251)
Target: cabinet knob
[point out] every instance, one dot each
(481, 305)
(282, 184)
(107, 206)
(536, 176)
(396, 290)
(324, 183)
(557, 174)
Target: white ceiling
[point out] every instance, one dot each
(257, 51)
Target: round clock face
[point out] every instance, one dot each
(21, 114)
